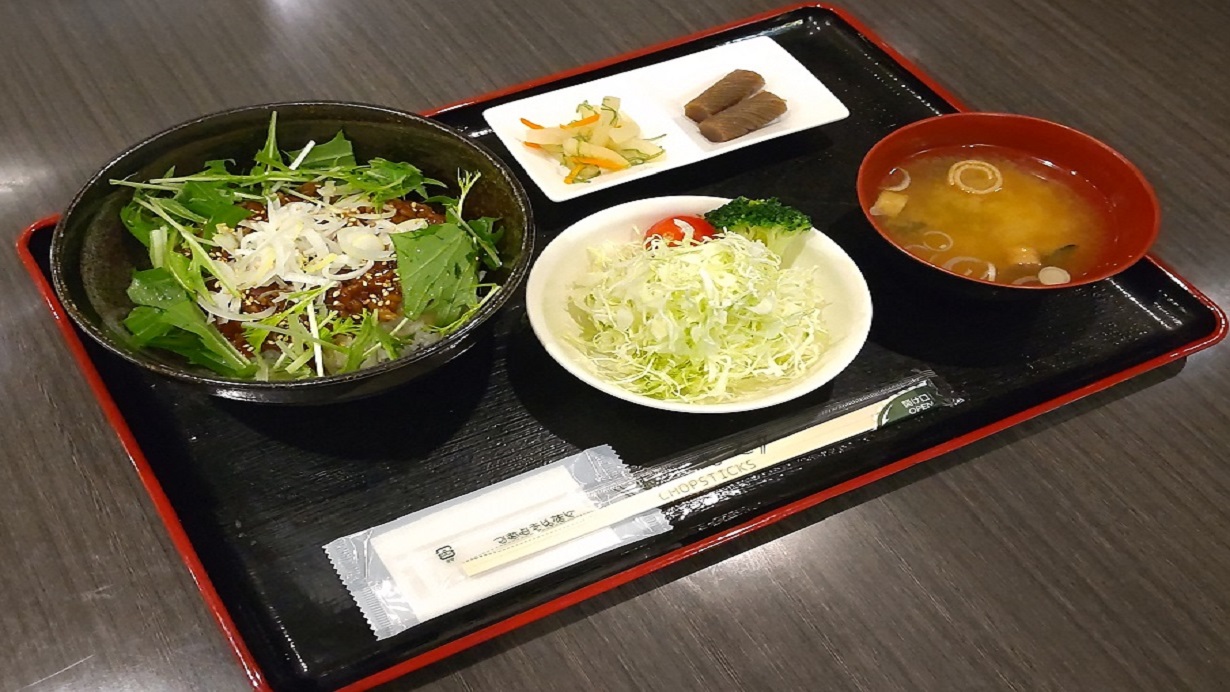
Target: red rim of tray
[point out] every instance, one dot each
(223, 618)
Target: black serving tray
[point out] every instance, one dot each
(250, 493)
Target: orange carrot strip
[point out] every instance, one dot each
(572, 174)
(531, 124)
(532, 145)
(601, 163)
(590, 120)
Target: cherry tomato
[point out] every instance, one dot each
(673, 229)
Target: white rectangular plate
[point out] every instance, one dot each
(654, 96)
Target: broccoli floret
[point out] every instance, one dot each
(778, 226)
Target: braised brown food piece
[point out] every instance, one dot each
(744, 117)
(254, 300)
(257, 209)
(259, 213)
(725, 93)
(259, 298)
(233, 331)
(414, 210)
(379, 290)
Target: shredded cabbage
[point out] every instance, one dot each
(703, 323)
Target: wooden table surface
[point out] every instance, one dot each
(1085, 550)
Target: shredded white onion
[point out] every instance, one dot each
(346, 276)
(312, 324)
(312, 243)
(365, 244)
(229, 312)
(1024, 280)
(226, 238)
(302, 154)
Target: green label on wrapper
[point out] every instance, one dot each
(912, 401)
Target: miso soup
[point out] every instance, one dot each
(994, 214)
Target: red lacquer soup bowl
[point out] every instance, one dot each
(1119, 190)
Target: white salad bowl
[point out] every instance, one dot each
(846, 312)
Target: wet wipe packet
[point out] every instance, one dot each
(408, 570)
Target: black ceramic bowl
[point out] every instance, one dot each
(93, 256)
